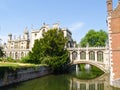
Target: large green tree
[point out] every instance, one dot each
(94, 38)
(50, 50)
(1, 49)
(1, 52)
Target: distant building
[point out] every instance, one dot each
(18, 47)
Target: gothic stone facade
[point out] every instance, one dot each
(18, 47)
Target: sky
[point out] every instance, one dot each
(79, 16)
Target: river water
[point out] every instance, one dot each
(63, 82)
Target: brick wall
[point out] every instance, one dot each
(115, 45)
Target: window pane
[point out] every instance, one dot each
(100, 56)
(91, 55)
(82, 55)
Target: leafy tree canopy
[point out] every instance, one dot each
(50, 49)
(94, 38)
(1, 52)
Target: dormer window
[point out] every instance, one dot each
(21, 47)
(43, 31)
(35, 34)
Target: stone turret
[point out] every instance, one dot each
(109, 6)
(9, 37)
(26, 34)
(114, 41)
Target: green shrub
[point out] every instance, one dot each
(9, 59)
(25, 59)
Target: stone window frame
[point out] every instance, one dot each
(91, 55)
(100, 56)
(74, 55)
(82, 55)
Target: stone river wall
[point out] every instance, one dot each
(24, 74)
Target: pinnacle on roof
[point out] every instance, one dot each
(26, 31)
(116, 11)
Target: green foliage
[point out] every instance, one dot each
(50, 50)
(94, 38)
(10, 59)
(82, 67)
(57, 63)
(1, 52)
(93, 73)
(25, 59)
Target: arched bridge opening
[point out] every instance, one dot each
(100, 65)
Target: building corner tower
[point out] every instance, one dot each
(113, 22)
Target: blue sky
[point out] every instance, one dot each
(78, 16)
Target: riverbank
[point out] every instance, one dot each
(10, 74)
(62, 82)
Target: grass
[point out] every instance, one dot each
(12, 64)
(2, 64)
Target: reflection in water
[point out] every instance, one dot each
(87, 71)
(100, 83)
(62, 82)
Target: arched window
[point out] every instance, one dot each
(100, 56)
(35, 34)
(5, 54)
(74, 55)
(69, 44)
(91, 55)
(21, 47)
(16, 56)
(100, 86)
(43, 31)
(83, 86)
(91, 86)
(22, 54)
(83, 55)
(10, 54)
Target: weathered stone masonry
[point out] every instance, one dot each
(24, 74)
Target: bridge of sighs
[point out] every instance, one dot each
(97, 56)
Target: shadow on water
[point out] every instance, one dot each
(51, 82)
(63, 82)
(87, 71)
(86, 80)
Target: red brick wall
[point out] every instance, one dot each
(115, 45)
(116, 64)
(115, 41)
(115, 25)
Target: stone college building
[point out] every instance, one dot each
(17, 47)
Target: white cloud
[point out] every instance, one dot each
(76, 26)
